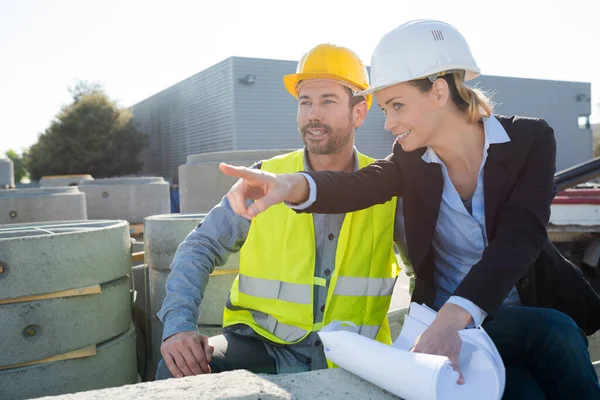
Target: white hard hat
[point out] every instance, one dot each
(420, 49)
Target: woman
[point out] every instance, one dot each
(477, 190)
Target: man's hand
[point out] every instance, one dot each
(442, 338)
(187, 353)
(266, 188)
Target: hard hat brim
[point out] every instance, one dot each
(471, 73)
(291, 81)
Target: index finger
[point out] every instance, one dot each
(199, 353)
(240, 172)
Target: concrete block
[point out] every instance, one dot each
(64, 180)
(396, 320)
(113, 365)
(42, 205)
(202, 185)
(163, 234)
(210, 331)
(137, 246)
(44, 328)
(332, 384)
(141, 319)
(7, 173)
(130, 199)
(51, 257)
(594, 346)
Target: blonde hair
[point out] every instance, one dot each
(472, 101)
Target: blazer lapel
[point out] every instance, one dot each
(495, 179)
(430, 183)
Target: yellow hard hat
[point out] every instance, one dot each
(331, 62)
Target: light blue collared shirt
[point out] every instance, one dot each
(460, 237)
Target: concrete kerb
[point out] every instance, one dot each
(333, 384)
(42, 205)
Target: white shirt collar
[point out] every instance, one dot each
(494, 134)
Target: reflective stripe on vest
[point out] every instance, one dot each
(292, 333)
(270, 323)
(301, 294)
(270, 289)
(355, 286)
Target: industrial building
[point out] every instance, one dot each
(241, 104)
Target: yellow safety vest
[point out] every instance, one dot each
(273, 293)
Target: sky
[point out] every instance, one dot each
(137, 48)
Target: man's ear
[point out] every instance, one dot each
(360, 113)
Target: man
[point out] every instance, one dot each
(297, 271)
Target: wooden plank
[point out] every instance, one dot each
(94, 289)
(137, 257)
(224, 272)
(80, 353)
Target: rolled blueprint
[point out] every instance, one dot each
(417, 376)
(405, 374)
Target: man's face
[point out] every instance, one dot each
(325, 119)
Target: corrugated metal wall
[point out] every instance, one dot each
(555, 101)
(241, 104)
(193, 116)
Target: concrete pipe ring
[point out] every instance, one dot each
(12, 214)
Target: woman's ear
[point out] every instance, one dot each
(441, 91)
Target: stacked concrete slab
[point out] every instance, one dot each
(42, 205)
(162, 236)
(7, 173)
(130, 199)
(331, 384)
(64, 180)
(65, 308)
(202, 185)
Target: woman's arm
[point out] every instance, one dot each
(336, 192)
(343, 192)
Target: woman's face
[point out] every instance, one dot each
(411, 115)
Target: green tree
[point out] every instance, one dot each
(18, 163)
(92, 135)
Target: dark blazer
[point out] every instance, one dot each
(518, 191)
